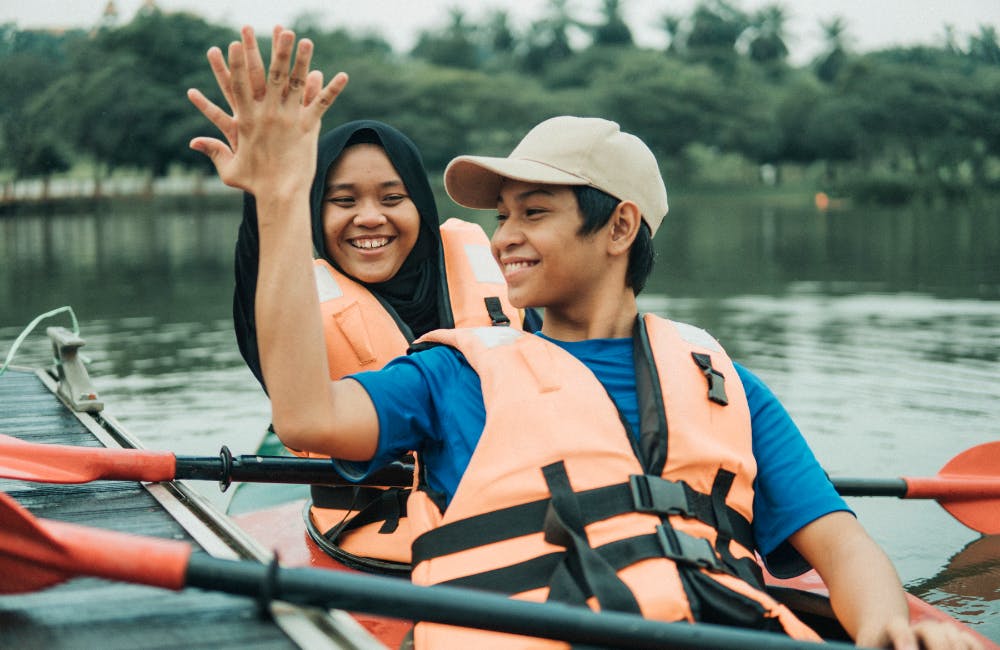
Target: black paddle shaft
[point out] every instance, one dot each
(226, 468)
(870, 487)
(397, 598)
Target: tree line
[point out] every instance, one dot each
(719, 102)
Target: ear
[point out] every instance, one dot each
(623, 226)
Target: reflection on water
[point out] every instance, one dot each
(880, 331)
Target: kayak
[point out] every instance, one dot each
(282, 524)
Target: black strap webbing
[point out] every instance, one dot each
(495, 310)
(389, 507)
(343, 497)
(746, 568)
(582, 571)
(535, 573)
(642, 493)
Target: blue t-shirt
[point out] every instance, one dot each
(442, 416)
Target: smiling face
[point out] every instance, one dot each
(370, 224)
(544, 259)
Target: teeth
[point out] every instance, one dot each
(370, 243)
(514, 266)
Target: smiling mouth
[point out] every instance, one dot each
(370, 243)
(511, 267)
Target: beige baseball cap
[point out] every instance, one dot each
(567, 150)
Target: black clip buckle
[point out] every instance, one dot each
(687, 549)
(658, 496)
(716, 380)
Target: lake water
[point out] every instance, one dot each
(878, 329)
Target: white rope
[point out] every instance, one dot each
(27, 330)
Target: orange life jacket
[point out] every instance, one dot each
(559, 502)
(366, 526)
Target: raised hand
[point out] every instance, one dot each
(270, 137)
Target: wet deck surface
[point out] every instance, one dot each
(94, 613)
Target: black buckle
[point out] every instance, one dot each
(687, 549)
(495, 309)
(716, 380)
(659, 496)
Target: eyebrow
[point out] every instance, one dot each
(524, 196)
(334, 187)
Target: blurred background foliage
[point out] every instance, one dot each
(720, 104)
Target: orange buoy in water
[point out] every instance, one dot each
(822, 201)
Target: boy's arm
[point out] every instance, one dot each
(865, 590)
(271, 153)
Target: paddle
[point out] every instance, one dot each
(37, 553)
(968, 487)
(40, 463)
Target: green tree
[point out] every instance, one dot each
(984, 47)
(453, 46)
(767, 42)
(716, 26)
(547, 41)
(830, 63)
(612, 30)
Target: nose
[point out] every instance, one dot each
(369, 215)
(506, 235)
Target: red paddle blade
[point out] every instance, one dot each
(968, 487)
(22, 540)
(980, 462)
(38, 553)
(25, 461)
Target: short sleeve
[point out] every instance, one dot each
(791, 489)
(430, 402)
(402, 399)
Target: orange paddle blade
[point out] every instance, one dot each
(38, 553)
(968, 487)
(20, 531)
(26, 461)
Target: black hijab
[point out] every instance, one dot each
(411, 296)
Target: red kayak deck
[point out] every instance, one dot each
(281, 528)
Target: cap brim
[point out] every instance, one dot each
(474, 181)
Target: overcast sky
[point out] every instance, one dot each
(872, 24)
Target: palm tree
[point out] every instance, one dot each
(613, 31)
(829, 64)
(767, 44)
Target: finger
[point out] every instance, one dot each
(900, 635)
(215, 149)
(935, 635)
(255, 64)
(222, 120)
(238, 74)
(218, 64)
(281, 56)
(314, 83)
(328, 95)
(297, 80)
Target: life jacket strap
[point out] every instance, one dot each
(642, 493)
(388, 506)
(535, 573)
(582, 571)
(343, 497)
(746, 568)
(495, 310)
(716, 380)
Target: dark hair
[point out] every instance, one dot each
(596, 207)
